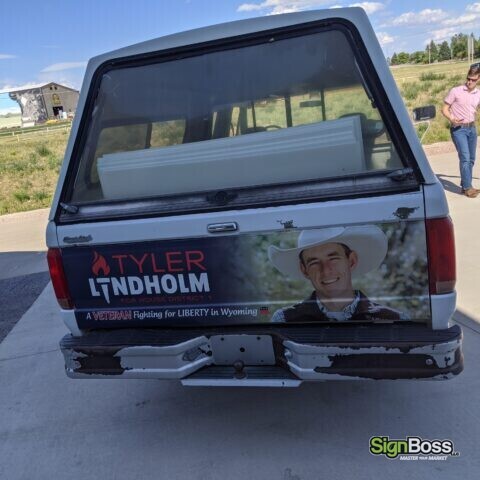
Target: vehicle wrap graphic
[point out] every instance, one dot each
(360, 273)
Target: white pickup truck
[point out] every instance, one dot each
(248, 204)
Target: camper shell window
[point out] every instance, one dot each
(285, 111)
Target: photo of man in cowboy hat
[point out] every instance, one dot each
(329, 258)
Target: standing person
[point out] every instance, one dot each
(460, 107)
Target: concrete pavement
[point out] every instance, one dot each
(24, 231)
(22, 243)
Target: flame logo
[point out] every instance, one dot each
(100, 265)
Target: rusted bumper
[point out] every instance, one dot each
(346, 352)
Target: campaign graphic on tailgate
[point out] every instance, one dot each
(334, 274)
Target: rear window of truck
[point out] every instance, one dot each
(282, 112)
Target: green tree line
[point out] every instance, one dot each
(456, 49)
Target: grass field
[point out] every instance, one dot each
(8, 122)
(29, 167)
(29, 172)
(401, 72)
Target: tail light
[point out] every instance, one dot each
(59, 281)
(441, 255)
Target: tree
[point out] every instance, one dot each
(459, 45)
(433, 52)
(444, 52)
(394, 59)
(403, 57)
(477, 48)
(419, 57)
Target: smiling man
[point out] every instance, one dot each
(329, 258)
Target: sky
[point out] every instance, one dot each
(52, 40)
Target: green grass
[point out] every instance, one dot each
(427, 76)
(410, 90)
(43, 150)
(29, 171)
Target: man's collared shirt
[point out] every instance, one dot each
(463, 103)
(361, 309)
(343, 316)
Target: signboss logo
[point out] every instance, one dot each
(410, 446)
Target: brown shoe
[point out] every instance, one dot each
(471, 192)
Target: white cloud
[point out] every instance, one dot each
(60, 67)
(462, 20)
(248, 7)
(443, 34)
(384, 38)
(282, 6)
(419, 18)
(10, 87)
(5, 56)
(474, 8)
(369, 7)
(69, 78)
(288, 6)
(445, 24)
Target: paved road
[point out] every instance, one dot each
(150, 429)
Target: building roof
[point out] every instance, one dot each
(33, 86)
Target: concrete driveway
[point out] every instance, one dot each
(23, 265)
(54, 427)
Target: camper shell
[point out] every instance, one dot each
(248, 204)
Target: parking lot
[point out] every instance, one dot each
(54, 427)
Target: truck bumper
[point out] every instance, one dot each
(299, 353)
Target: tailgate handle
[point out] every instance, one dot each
(222, 227)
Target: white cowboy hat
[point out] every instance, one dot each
(368, 241)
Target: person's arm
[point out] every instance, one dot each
(448, 115)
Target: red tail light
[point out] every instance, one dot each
(59, 281)
(441, 255)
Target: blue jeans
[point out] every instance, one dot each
(465, 140)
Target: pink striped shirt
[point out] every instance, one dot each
(463, 104)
